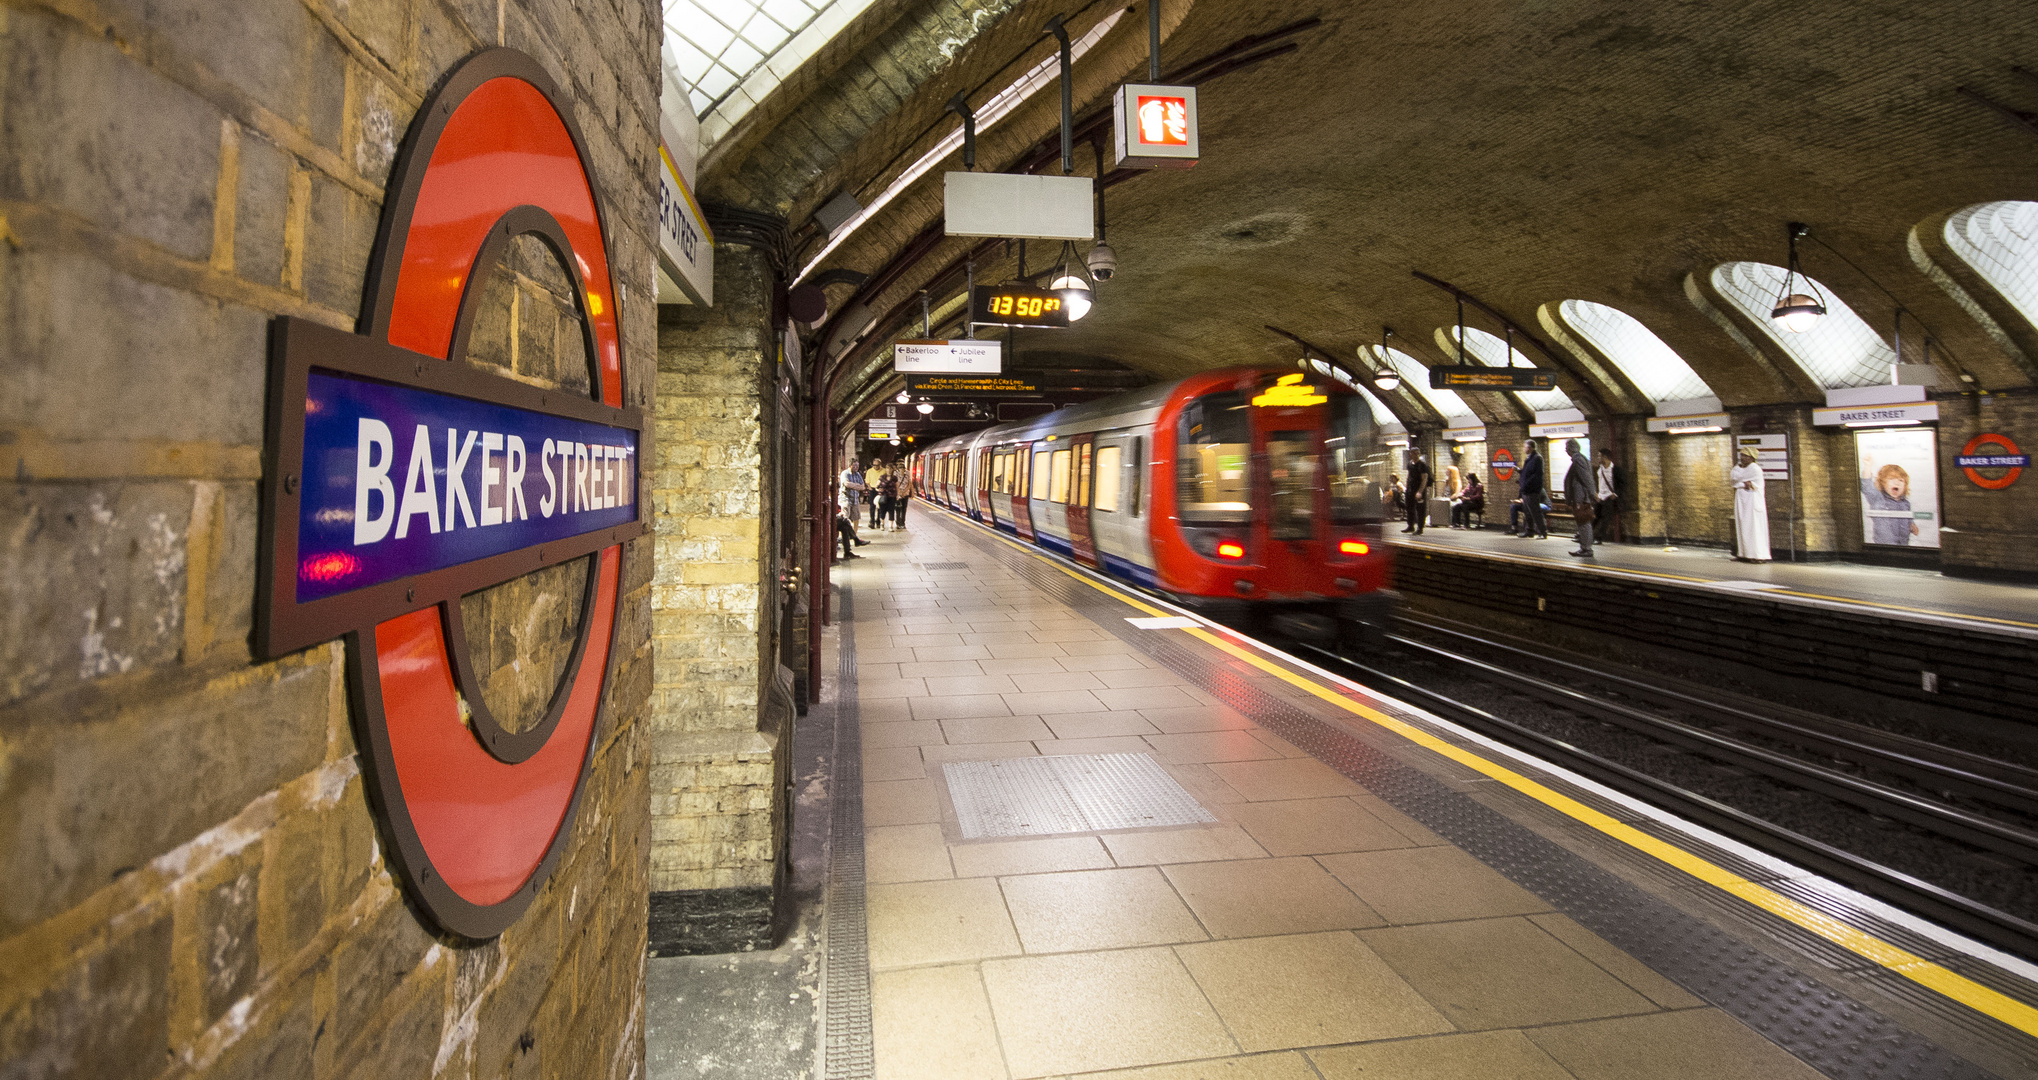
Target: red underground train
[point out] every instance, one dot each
(1246, 493)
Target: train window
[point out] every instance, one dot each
(1214, 448)
(1083, 476)
(1136, 475)
(1110, 477)
(1058, 475)
(1041, 473)
(1356, 470)
(1291, 466)
(1020, 458)
(1001, 465)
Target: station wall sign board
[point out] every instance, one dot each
(1476, 433)
(686, 246)
(1155, 126)
(1772, 453)
(1992, 461)
(1689, 425)
(961, 356)
(1873, 415)
(1020, 206)
(1016, 305)
(884, 429)
(1573, 429)
(962, 384)
(1501, 461)
(1479, 377)
(397, 479)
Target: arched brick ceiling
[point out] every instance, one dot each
(1529, 153)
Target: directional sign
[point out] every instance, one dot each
(961, 356)
(964, 384)
(1476, 377)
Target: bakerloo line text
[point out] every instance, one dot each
(578, 477)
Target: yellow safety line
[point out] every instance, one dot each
(1623, 572)
(1960, 988)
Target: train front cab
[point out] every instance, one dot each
(1275, 486)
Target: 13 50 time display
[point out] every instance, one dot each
(1017, 305)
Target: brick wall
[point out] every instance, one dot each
(1988, 532)
(196, 884)
(717, 819)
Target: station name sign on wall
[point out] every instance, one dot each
(398, 479)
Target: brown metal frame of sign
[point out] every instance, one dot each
(284, 625)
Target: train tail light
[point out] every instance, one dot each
(1229, 550)
(1354, 547)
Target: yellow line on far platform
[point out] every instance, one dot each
(1900, 961)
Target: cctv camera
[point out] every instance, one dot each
(1103, 262)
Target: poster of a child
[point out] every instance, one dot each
(1899, 488)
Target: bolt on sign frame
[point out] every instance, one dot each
(477, 816)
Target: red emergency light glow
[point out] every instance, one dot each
(1229, 550)
(1355, 547)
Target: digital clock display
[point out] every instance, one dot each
(1017, 305)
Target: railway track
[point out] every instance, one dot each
(1966, 801)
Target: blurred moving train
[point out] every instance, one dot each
(1243, 493)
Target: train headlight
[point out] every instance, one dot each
(1354, 547)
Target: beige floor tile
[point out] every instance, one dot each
(1196, 718)
(933, 1024)
(985, 729)
(1313, 826)
(1047, 681)
(1307, 990)
(1200, 747)
(1124, 744)
(1213, 843)
(1138, 676)
(883, 654)
(1281, 746)
(1430, 884)
(928, 641)
(1265, 897)
(883, 711)
(959, 706)
(938, 922)
(958, 685)
(1485, 1055)
(1281, 1066)
(1147, 697)
(1097, 725)
(1097, 909)
(1698, 1044)
(1199, 781)
(1491, 973)
(1096, 661)
(872, 689)
(1055, 701)
(900, 802)
(906, 733)
(1023, 665)
(937, 669)
(952, 652)
(1023, 649)
(1081, 635)
(893, 763)
(1040, 855)
(1090, 1011)
(1286, 778)
(989, 751)
(1417, 833)
(1001, 637)
(905, 853)
(1627, 969)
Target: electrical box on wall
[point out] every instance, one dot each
(1155, 126)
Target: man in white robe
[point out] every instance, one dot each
(1751, 512)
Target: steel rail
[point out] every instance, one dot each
(1998, 928)
(1940, 767)
(1876, 798)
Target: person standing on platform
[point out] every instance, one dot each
(1534, 492)
(1606, 517)
(1751, 511)
(1579, 491)
(887, 499)
(902, 494)
(1418, 492)
(879, 507)
(853, 488)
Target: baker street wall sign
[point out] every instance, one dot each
(398, 479)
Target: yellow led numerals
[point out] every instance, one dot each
(1025, 307)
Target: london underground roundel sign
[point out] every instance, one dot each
(399, 479)
(2003, 459)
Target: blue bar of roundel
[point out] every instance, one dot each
(331, 561)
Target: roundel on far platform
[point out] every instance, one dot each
(401, 479)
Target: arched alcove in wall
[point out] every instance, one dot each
(1840, 350)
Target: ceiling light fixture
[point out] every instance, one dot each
(925, 407)
(903, 398)
(1076, 295)
(1387, 380)
(1796, 311)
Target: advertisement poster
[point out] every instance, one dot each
(1899, 487)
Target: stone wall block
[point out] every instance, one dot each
(107, 1018)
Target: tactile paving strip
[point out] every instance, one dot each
(846, 1051)
(1067, 793)
(1832, 1032)
(944, 566)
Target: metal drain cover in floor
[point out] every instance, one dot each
(1067, 793)
(944, 566)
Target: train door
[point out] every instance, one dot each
(1082, 545)
(1291, 468)
(985, 510)
(1022, 489)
